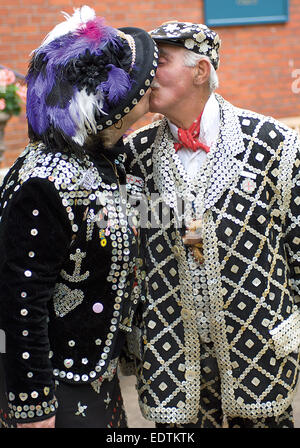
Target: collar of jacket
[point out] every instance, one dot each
(225, 166)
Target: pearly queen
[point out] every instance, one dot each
(244, 298)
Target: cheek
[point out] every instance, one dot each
(166, 78)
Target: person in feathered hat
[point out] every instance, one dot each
(218, 335)
(69, 277)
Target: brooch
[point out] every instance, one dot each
(193, 238)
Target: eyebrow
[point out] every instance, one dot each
(164, 53)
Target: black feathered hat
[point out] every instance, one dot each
(85, 77)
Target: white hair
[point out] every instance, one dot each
(190, 60)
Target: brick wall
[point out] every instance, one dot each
(260, 65)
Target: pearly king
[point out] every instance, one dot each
(241, 290)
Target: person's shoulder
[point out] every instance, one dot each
(264, 125)
(143, 134)
(62, 168)
(253, 122)
(66, 172)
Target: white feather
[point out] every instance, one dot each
(81, 15)
(82, 110)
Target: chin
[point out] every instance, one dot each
(153, 103)
(155, 107)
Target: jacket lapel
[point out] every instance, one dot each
(225, 166)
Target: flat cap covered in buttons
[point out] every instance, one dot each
(193, 36)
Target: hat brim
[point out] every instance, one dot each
(143, 72)
(177, 42)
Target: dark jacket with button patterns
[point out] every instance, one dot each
(66, 273)
(251, 270)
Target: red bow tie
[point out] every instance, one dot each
(189, 138)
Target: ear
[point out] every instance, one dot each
(201, 72)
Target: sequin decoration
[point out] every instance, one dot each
(66, 299)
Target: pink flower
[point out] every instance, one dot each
(2, 78)
(2, 104)
(22, 92)
(6, 77)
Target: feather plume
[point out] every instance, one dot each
(82, 110)
(36, 113)
(95, 30)
(117, 85)
(61, 119)
(72, 23)
(72, 46)
(35, 105)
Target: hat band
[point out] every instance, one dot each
(131, 43)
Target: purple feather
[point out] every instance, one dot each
(70, 46)
(117, 85)
(35, 104)
(61, 119)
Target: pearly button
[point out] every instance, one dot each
(35, 212)
(24, 312)
(97, 307)
(34, 232)
(190, 375)
(68, 363)
(23, 396)
(185, 314)
(25, 355)
(176, 250)
(28, 273)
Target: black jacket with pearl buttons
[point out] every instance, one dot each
(245, 297)
(67, 273)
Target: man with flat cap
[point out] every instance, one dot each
(219, 331)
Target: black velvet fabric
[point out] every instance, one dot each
(44, 226)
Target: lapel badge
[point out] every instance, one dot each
(248, 185)
(89, 179)
(194, 238)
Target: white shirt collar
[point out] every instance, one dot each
(210, 122)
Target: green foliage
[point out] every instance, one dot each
(12, 99)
